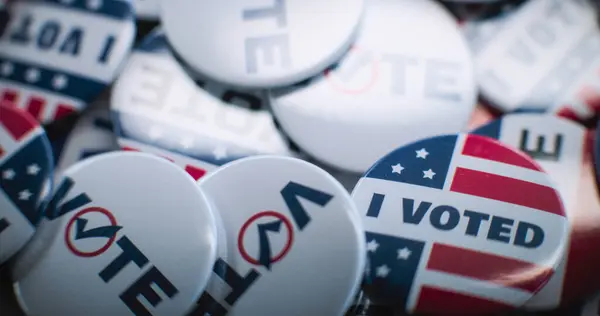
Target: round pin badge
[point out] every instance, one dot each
(558, 146)
(294, 240)
(25, 170)
(156, 104)
(544, 56)
(384, 93)
(92, 135)
(147, 9)
(459, 224)
(56, 56)
(120, 241)
(268, 44)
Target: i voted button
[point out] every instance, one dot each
(459, 224)
(56, 56)
(558, 146)
(267, 43)
(384, 93)
(25, 169)
(544, 56)
(156, 104)
(124, 234)
(295, 244)
(92, 135)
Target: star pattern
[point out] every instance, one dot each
(404, 253)
(397, 168)
(6, 68)
(24, 195)
(32, 75)
(429, 174)
(33, 169)
(8, 174)
(372, 246)
(422, 153)
(382, 271)
(59, 82)
(94, 4)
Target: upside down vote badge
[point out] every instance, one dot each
(442, 237)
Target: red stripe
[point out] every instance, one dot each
(63, 110)
(9, 98)
(35, 107)
(195, 172)
(16, 122)
(125, 148)
(488, 267)
(479, 146)
(441, 302)
(505, 189)
(568, 113)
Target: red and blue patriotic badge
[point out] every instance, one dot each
(25, 172)
(558, 146)
(459, 224)
(56, 56)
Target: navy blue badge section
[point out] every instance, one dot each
(155, 42)
(391, 283)
(407, 164)
(23, 176)
(114, 9)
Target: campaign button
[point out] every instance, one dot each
(25, 169)
(268, 44)
(294, 240)
(92, 135)
(57, 56)
(459, 224)
(383, 93)
(116, 240)
(147, 9)
(558, 146)
(156, 103)
(544, 55)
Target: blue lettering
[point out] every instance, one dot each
(72, 43)
(538, 152)
(22, 34)
(500, 228)
(375, 205)
(537, 235)
(143, 287)
(130, 253)
(436, 217)
(412, 217)
(290, 194)
(4, 224)
(48, 35)
(108, 46)
(474, 222)
(54, 208)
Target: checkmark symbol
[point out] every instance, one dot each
(104, 231)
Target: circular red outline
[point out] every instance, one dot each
(111, 240)
(256, 216)
(369, 85)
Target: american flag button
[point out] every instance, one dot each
(384, 93)
(559, 146)
(25, 171)
(294, 240)
(544, 56)
(92, 135)
(459, 224)
(155, 103)
(124, 234)
(268, 44)
(56, 56)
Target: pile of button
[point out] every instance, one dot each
(299, 157)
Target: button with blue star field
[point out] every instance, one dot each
(56, 56)
(123, 234)
(383, 93)
(155, 103)
(558, 146)
(543, 56)
(267, 43)
(295, 243)
(25, 169)
(459, 224)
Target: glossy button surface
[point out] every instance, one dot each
(459, 224)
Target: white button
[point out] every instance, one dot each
(261, 43)
(147, 9)
(384, 93)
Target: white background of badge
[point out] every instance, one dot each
(20, 230)
(352, 131)
(147, 9)
(327, 257)
(156, 86)
(86, 136)
(96, 30)
(549, 254)
(143, 205)
(564, 175)
(319, 33)
(521, 77)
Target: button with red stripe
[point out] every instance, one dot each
(56, 56)
(25, 171)
(544, 56)
(157, 107)
(459, 224)
(559, 146)
(114, 232)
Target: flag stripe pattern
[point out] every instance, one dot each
(459, 221)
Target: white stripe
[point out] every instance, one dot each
(25, 93)
(503, 169)
(456, 154)
(391, 221)
(476, 288)
(413, 296)
(10, 146)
